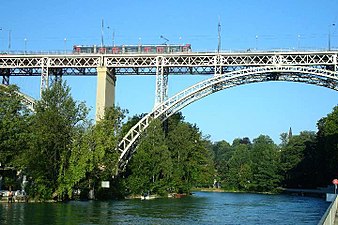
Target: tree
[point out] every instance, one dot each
(190, 155)
(94, 155)
(151, 166)
(239, 174)
(296, 159)
(222, 153)
(265, 164)
(54, 127)
(14, 124)
(327, 139)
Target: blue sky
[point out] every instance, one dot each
(249, 110)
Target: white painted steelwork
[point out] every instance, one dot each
(26, 100)
(147, 64)
(309, 75)
(227, 70)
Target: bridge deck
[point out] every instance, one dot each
(151, 64)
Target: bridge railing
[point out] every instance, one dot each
(49, 52)
(250, 50)
(330, 214)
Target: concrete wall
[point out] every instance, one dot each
(105, 92)
(330, 214)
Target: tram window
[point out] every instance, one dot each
(146, 49)
(160, 49)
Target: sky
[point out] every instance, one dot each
(244, 111)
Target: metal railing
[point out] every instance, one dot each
(251, 50)
(330, 214)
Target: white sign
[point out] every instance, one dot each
(105, 184)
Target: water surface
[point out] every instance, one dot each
(201, 208)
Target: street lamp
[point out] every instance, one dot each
(65, 43)
(329, 41)
(256, 41)
(25, 40)
(298, 41)
(0, 28)
(9, 37)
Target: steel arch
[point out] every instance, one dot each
(309, 75)
(26, 100)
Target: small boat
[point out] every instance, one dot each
(147, 196)
(180, 195)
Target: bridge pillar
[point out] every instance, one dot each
(44, 84)
(5, 76)
(105, 92)
(161, 92)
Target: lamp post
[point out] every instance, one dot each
(256, 41)
(329, 41)
(1, 30)
(25, 40)
(298, 41)
(9, 37)
(65, 45)
(113, 35)
(113, 38)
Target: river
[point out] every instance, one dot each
(200, 208)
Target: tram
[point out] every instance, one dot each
(129, 49)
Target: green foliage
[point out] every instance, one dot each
(247, 166)
(54, 126)
(327, 145)
(14, 126)
(151, 165)
(93, 157)
(190, 156)
(294, 164)
(60, 151)
(265, 164)
(239, 175)
(172, 163)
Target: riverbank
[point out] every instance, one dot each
(277, 191)
(209, 190)
(319, 192)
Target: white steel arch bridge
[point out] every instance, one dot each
(26, 100)
(226, 70)
(309, 75)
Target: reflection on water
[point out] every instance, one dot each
(201, 208)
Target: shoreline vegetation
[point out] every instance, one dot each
(319, 192)
(58, 153)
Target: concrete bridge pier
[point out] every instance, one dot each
(105, 92)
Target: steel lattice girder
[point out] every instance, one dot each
(146, 64)
(309, 75)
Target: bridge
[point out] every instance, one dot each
(26, 100)
(225, 69)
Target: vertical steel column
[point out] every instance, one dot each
(5, 76)
(217, 65)
(335, 62)
(158, 82)
(44, 75)
(57, 75)
(161, 92)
